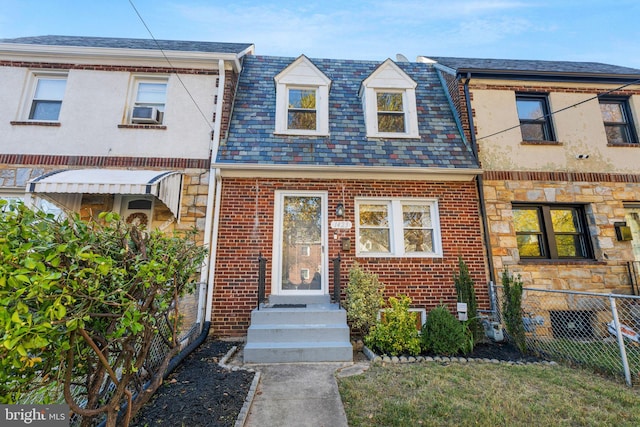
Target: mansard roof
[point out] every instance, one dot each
(251, 139)
(128, 43)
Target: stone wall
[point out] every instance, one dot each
(603, 201)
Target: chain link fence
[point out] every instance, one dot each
(597, 331)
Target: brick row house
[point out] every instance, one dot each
(558, 145)
(325, 159)
(294, 169)
(104, 124)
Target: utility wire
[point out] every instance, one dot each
(171, 65)
(548, 115)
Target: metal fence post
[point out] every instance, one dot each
(623, 350)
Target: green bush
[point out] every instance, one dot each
(512, 309)
(443, 334)
(85, 300)
(396, 333)
(364, 298)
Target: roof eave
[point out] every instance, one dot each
(61, 54)
(546, 76)
(254, 170)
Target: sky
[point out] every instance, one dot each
(605, 31)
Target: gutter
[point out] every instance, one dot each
(480, 182)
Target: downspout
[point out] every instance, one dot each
(213, 199)
(214, 244)
(479, 182)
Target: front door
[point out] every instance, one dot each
(299, 266)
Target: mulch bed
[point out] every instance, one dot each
(199, 392)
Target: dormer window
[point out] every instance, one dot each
(302, 99)
(389, 103)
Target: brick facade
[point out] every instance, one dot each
(246, 230)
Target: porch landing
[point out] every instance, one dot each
(317, 332)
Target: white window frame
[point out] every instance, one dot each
(396, 227)
(302, 74)
(389, 78)
(133, 97)
(36, 77)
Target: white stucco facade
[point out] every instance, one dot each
(578, 127)
(95, 102)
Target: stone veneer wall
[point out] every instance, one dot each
(603, 196)
(246, 229)
(195, 188)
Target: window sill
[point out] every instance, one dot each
(561, 261)
(558, 143)
(401, 256)
(34, 123)
(311, 134)
(139, 126)
(382, 136)
(628, 144)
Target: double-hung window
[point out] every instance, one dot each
(149, 101)
(47, 98)
(398, 227)
(301, 109)
(391, 114)
(535, 117)
(551, 232)
(618, 124)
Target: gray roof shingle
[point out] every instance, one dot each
(251, 138)
(125, 43)
(521, 65)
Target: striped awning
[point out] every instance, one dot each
(165, 185)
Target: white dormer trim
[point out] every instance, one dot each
(389, 78)
(302, 74)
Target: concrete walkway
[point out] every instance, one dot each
(298, 394)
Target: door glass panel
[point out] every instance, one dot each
(302, 243)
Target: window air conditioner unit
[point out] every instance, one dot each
(145, 115)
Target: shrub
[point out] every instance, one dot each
(396, 333)
(512, 310)
(442, 333)
(364, 298)
(82, 304)
(466, 293)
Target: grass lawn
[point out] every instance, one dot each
(433, 394)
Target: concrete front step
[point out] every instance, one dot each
(316, 332)
(298, 352)
(312, 314)
(287, 333)
(298, 299)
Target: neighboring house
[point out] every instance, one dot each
(558, 144)
(357, 160)
(98, 124)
